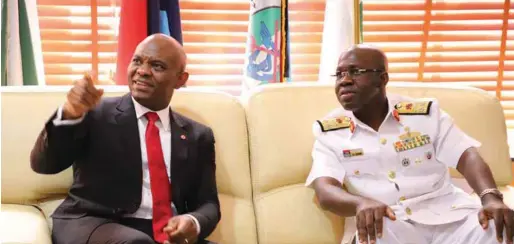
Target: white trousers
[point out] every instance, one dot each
(466, 231)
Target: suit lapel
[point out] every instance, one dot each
(179, 142)
(179, 153)
(125, 118)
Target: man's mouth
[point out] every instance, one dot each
(142, 83)
(345, 92)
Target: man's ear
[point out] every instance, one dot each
(182, 79)
(384, 77)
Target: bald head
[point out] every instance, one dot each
(167, 46)
(367, 55)
(156, 70)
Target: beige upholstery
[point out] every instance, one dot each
(267, 135)
(279, 121)
(279, 127)
(24, 114)
(22, 224)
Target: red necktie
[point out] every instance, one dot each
(159, 182)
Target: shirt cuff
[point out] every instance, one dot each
(58, 121)
(196, 223)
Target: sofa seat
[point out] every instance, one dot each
(23, 224)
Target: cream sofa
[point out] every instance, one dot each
(263, 144)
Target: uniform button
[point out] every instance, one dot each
(407, 129)
(383, 141)
(453, 206)
(402, 198)
(356, 172)
(408, 211)
(391, 175)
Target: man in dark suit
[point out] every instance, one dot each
(142, 173)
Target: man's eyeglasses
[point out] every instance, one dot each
(355, 72)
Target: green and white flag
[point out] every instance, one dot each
(341, 29)
(22, 58)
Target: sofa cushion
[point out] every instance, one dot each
(279, 119)
(23, 116)
(22, 224)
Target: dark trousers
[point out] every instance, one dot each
(98, 230)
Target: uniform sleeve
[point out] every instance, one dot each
(451, 141)
(325, 162)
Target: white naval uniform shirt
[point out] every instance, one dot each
(145, 209)
(416, 183)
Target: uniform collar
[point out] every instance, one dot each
(390, 116)
(164, 114)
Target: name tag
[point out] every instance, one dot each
(348, 153)
(411, 143)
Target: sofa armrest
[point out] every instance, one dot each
(23, 224)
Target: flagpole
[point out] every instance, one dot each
(357, 21)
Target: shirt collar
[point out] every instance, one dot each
(359, 125)
(393, 100)
(164, 114)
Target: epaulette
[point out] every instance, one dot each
(413, 108)
(342, 122)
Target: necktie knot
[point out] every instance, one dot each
(152, 117)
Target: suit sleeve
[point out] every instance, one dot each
(58, 145)
(208, 213)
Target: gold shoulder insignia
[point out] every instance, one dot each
(342, 122)
(413, 108)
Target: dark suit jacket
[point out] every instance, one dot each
(104, 150)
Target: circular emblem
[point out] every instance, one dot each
(405, 162)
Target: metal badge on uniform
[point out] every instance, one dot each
(348, 153)
(428, 155)
(405, 162)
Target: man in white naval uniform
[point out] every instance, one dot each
(392, 155)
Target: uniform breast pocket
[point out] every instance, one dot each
(362, 175)
(361, 166)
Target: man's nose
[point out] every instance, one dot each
(347, 79)
(143, 70)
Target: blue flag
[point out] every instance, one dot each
(164, 17)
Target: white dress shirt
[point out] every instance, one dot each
(164, 126)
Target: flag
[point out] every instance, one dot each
(164, 17)
(342, 28)
(139, 19)
(132, 30)
(21, 54)
(267, 58)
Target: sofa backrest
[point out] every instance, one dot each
(280, 119)
(25, 112)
